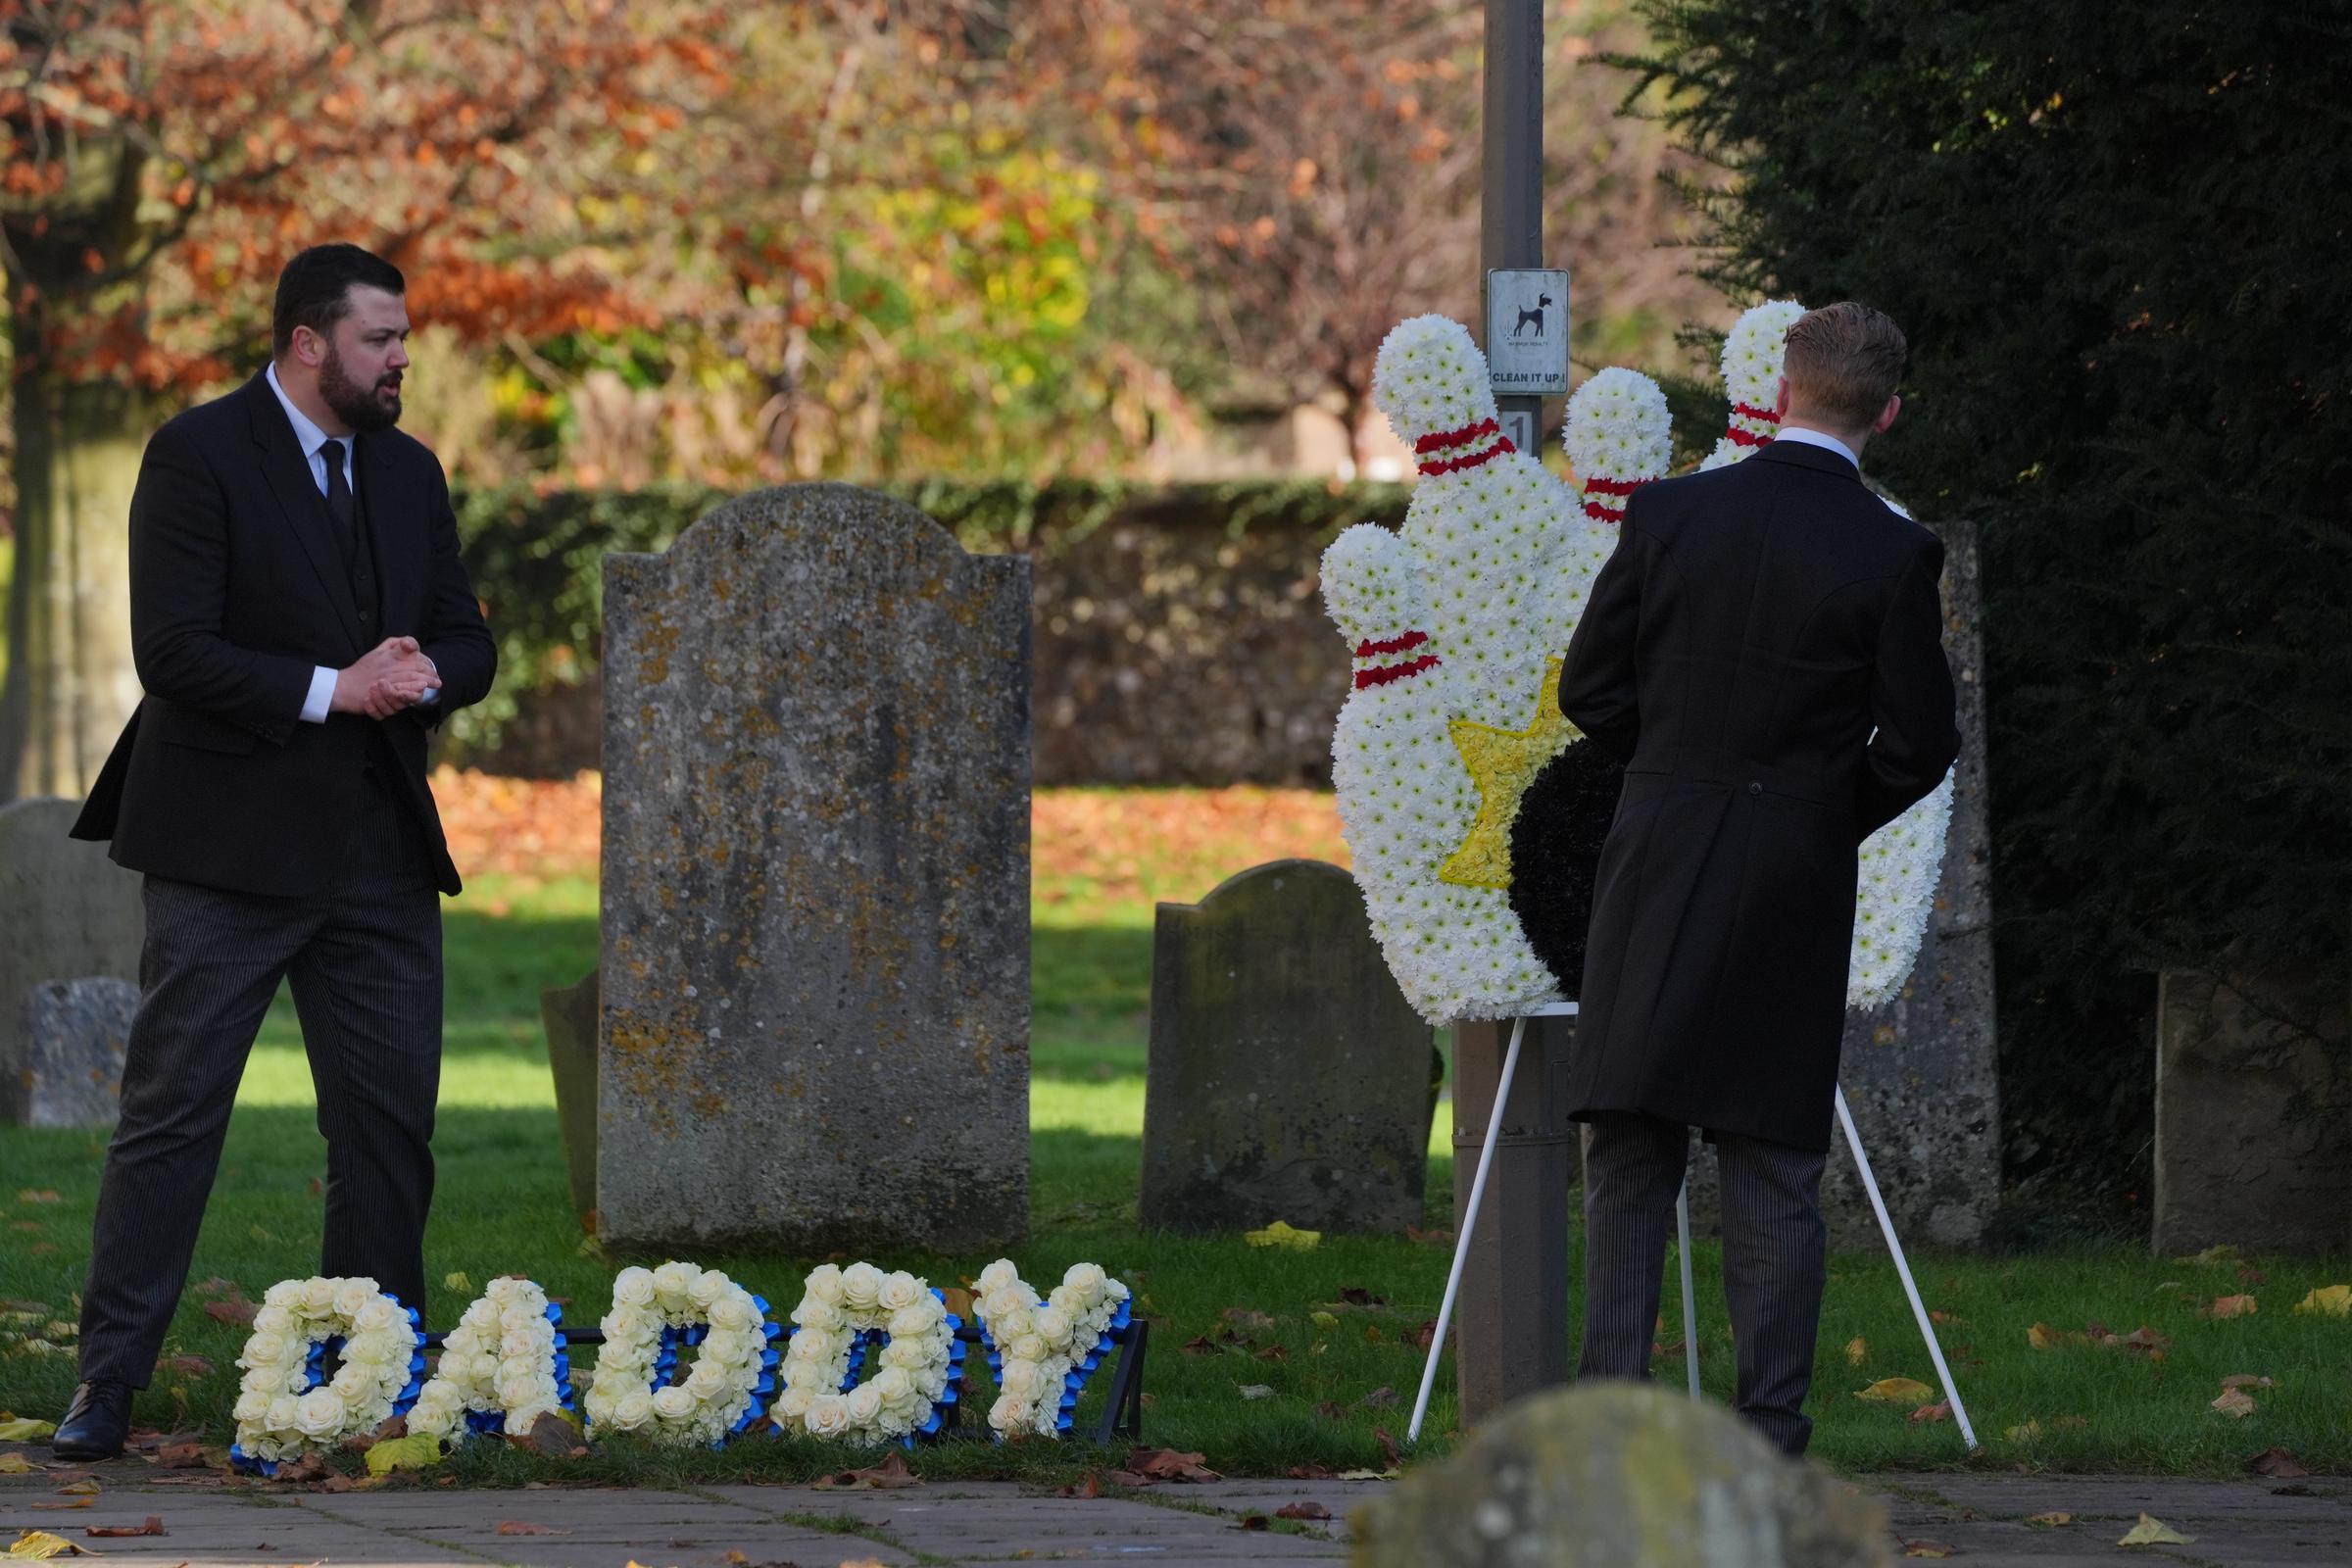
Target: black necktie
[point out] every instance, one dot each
(338, 492)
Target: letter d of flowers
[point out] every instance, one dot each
(840, 1311)
(657, 1311)
(287, 1404)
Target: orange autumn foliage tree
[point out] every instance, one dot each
(159, 162)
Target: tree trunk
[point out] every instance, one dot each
(70, 684)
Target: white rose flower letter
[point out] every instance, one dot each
(659, 1312)
(286, 1404)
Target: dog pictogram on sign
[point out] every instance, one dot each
(1527, 331)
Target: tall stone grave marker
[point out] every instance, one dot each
(76, 1032)
(1920, 1072)
(2253, 1114)
(1288, 1077)
(814, 1032)
(67, 912)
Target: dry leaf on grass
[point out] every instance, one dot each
(2043, 1337)
(1929, 1548)
(2229, 1307)
(1306, 1509)
(1896, 1390)
(185, 1366)
(1927, 1414)
(891, 1474)
(47, 1195)
(181, 1456)
(25, 1429)
(1244, 1320)
(1280, 1234)
(518, 1526)
(2277, 1463)
(2329, 1301)
(1379, 1399)
(1857, 1350)
(413, 1452)
(2235, 1402)
(153, 1525)
(1250, 1521)
(2154, 1533)
(2246, 1380)
(550, 1435)
(2024, 1432)
(1091, 1485)
(233, 1311)
(2052, 1520)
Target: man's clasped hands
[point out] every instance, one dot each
(393, 675)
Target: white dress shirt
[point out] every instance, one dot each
(1787, 432)
(314, 440)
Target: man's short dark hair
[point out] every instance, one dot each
(314, 290)
(1842, 363)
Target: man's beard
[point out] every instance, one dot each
(363, 408)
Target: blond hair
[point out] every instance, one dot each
(1842, 363)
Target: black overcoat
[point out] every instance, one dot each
(1765, 649)
(238, 592)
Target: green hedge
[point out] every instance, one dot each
(537, 559)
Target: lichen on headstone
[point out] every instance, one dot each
(815, 882)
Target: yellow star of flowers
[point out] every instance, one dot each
(1503, 763)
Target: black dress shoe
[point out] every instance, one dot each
(96, 1422)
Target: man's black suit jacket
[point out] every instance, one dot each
(1754, 627)
(238, 591)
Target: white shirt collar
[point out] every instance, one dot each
(1814, 438)
(311, 438)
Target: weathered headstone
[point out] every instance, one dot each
(2253, 1115)
(815, 935)
(75, 1031)
(569, 1013)
(1288, 1077)
(65, 911)
(1611, 1473)
(1920, 1072)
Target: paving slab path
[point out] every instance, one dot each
(1976, 1518)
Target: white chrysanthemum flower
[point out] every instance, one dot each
(1900, 866)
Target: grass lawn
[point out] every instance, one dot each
(1103, 858)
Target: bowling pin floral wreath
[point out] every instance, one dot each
(1473, 810)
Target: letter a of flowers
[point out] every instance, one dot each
(501, 1369)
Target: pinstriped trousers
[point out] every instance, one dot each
(1774, 1258)
(364, 959)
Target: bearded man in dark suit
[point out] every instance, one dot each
(300, 621)
(1764, 649)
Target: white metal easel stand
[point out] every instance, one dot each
(1681, 1215)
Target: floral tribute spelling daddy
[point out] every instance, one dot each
(505, 1365)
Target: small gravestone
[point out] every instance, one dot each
(1920, 1071)
(815, 897)
(76, 1032)
(2253, 1115)
(569, 1013)
(65, 911)
(1613, 1474)
(1289, 1078)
